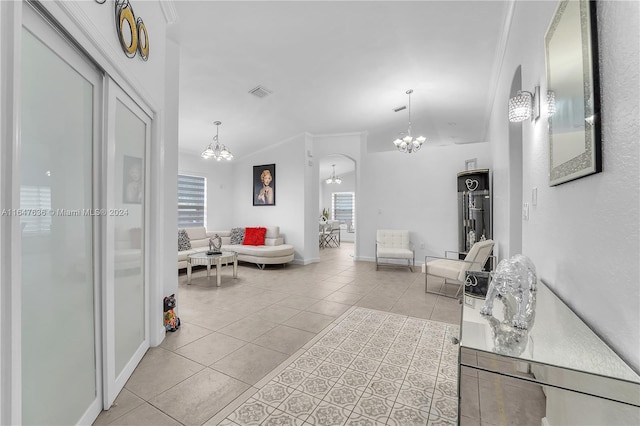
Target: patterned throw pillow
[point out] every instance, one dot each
(237, 235)
(184, 243)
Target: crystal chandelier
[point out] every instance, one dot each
(333, 178)
(219, 152)
(408, 144)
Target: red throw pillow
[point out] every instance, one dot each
(254, 236)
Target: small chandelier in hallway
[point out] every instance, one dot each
(333, 178)
(219, 152)
(408, 144)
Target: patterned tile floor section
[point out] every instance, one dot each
(369, 368)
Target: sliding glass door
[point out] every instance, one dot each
(126, 295)
(61, 97)
(83, 212)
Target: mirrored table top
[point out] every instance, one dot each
(556, 338)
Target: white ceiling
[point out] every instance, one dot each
(336, 67)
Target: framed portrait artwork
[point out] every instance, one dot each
(264, 185)
(132, 184)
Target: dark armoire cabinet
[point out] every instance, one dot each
(474, 208)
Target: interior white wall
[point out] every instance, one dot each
(583, 236)
(309, 252)
(514, 183)
(417, 192)
(167, 188)
(220, 189)
(289, 210)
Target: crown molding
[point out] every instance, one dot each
(169, 10)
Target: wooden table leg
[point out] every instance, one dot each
(188, 271)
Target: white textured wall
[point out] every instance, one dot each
(583, 236)
(289, 211)
(220, 188)
(417, 192)
(167, 185)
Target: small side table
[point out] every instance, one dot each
(212, 259)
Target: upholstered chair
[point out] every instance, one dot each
(394, 244)
(454, 270)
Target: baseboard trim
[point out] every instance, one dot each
(305, 261)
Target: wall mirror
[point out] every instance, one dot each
(573, 92)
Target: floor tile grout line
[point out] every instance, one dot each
(373, 374)
(284, 364)
(358, 276)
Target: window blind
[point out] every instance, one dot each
(191, 201)
(343, 208)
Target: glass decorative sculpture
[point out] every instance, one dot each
(507, 339)
(515, 277)
(215, 243)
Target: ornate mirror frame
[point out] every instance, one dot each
(572, 79)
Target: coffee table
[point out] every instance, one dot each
(212, 259)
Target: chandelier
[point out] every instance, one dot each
(333, 178)
(408, 144)
(219, 152)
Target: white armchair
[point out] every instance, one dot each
(394, 244)
(454, 271)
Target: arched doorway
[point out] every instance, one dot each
(337, 197)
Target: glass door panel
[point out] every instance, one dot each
(60, 103)
(129, 235)
(126, 297)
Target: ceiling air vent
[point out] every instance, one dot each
(400, 108)
(260, 91)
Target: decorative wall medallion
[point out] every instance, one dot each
(132, 32)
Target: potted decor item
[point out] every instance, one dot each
(171, 320)
(325, 215)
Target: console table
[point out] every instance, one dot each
(558, 372)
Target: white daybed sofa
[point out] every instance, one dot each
(273, 252)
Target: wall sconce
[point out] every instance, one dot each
(524, 105)
(551, 102)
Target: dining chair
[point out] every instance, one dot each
(333, 239)
(324, 231)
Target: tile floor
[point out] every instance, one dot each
(368, 368)
(234, 335)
